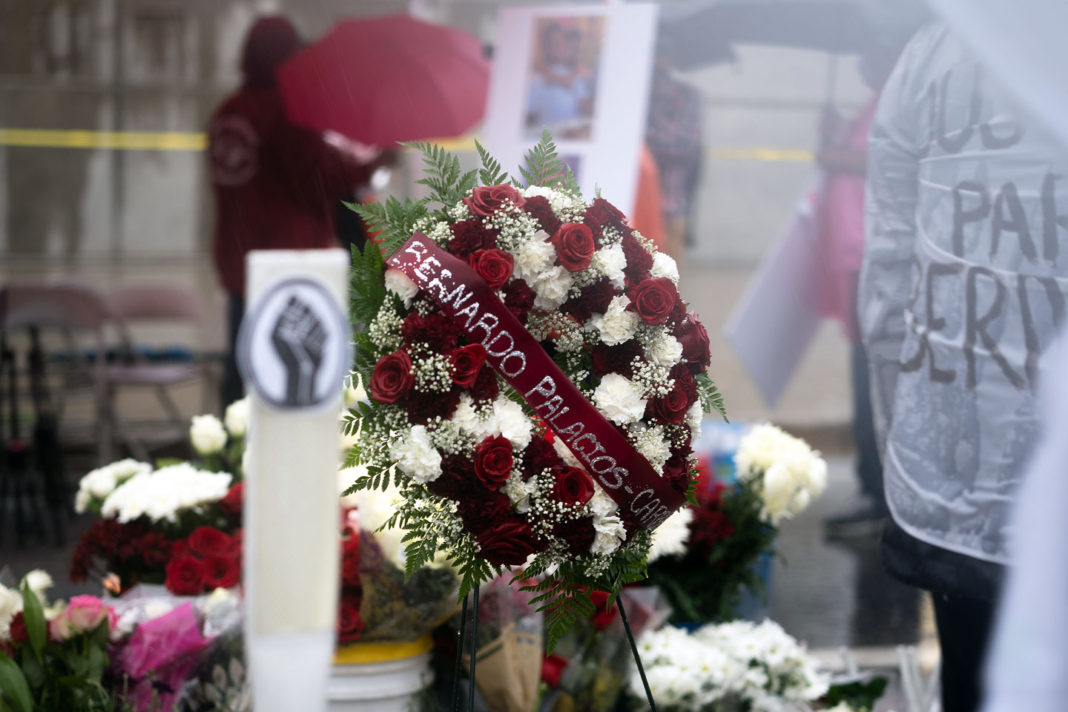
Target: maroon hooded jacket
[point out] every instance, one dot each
(276, 185)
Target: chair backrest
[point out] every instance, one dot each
(60, 305)
(152, 302)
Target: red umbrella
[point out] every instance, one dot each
(385, 79)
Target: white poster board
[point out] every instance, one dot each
(773, 323)
(582, 72)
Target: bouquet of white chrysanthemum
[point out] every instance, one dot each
(789, 473)
(731, 666)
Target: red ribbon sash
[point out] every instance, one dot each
(463, 296)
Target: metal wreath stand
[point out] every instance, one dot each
(458, 666)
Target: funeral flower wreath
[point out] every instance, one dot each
(535, 380)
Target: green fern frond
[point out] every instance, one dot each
(491, 173)
(711, 398)
(541, 166)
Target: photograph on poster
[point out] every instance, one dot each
(562, 78)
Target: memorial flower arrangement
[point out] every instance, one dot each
(729, 666)
(735, 523)
(535, 379)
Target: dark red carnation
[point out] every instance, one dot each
(493, 461)
(694, 339)
(155, 549)
(349, 623)
(466, 362)
(593, 299)
(552, 666)
(539, 208)
(708, 528)
(234, 501)
(578, 534)
(603, 214)
(653, 300)
(574, 246)
(487, 200)
(615, 359)
(639, 261)
(470, 235)
(392, 377)
(209, 541)
(480, 511)
(507, 544)
(437, 332)
(519, 297)
(421, 407)
(603, 616)
(350, 561)
(457, 475)
(572, 486)
(541, 455)
(493, 265)
(185, 576)
(486, 387)
(17, 629)
(677, 472)
(222, 571)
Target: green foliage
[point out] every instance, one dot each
(711, 398)
(33, 615)
(393, 220)
(491, 173)
(858, 695)
(17, 696)
(446, 182)
(541, 165)
(473, 569)
(367, 285)
(378, 477)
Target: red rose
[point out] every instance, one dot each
(470, 235)
(552, 667)
(209, 541)
(422, 407)
(603, 214)
(615, 359)
(487, 200)
(466, 363)
(538, 207)
(481, 512)
(593, 299)
(185, 576)
(222, 571)
(349, 623)
(392, 378)
(232, 504)
(603, 616)
(350, 561)
(437, 332)
(493, 461)
(639, 261)
(572, 486)
(493, 265)
(653, 300)
(694, 339)
(519, 297)
(508, 543)
(677, 472)
(486, 387)
(670, 408)
(578, 534)
(17, 629)
(574, 246)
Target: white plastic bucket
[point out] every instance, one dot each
(378, 677)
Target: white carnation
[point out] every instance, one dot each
(512, 422)
(791, 473)
(653, 446)
(519, 492)
(670, 537)
(601, 505)
(10, 604)
(101, 482)
(664, 266)
(236, 417)
(534, 257)
(694, 417)
(551, 287)
(401, 285)
(619, 399)
(611, 262)
(610, 534)
(465, 417)
(664, 349)
(417, 457)
(207, 434)
(617, 325)
(39, 581)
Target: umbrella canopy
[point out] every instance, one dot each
(385, 79)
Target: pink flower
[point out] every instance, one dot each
(82, 615)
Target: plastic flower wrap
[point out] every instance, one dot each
(535, 379)
(729, 666)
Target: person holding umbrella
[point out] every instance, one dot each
(276, 184)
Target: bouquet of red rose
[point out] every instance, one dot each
(535, 378)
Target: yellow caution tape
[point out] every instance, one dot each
(359, 653)
(195, 141)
